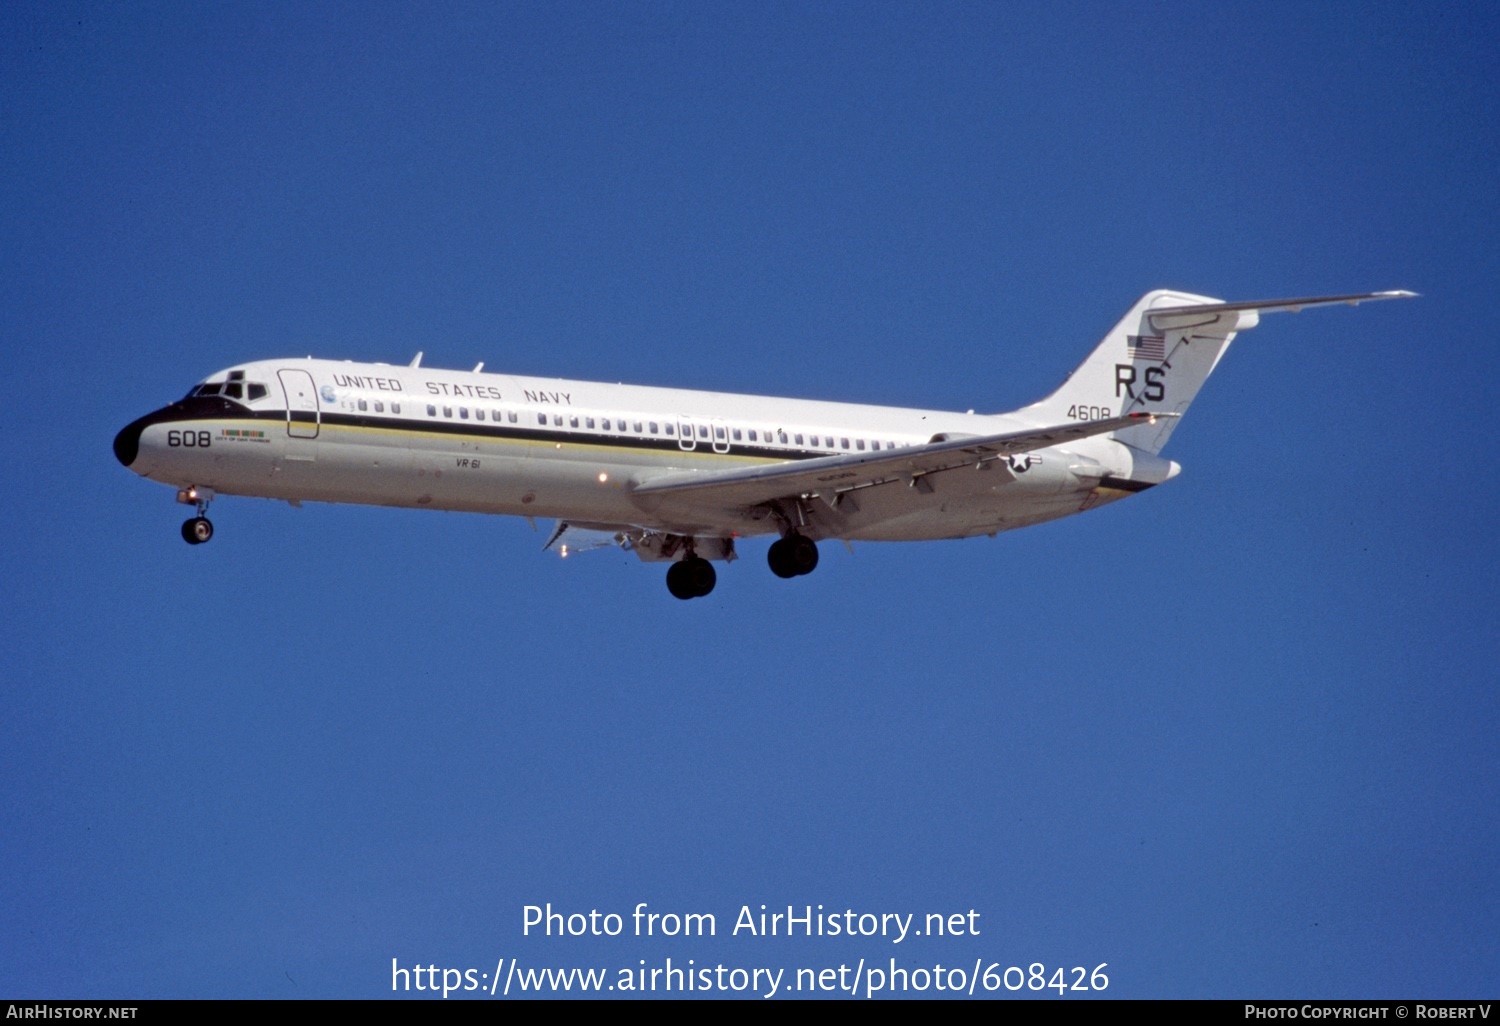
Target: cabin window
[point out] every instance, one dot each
(431, 410)
(362, 406)
(702, 430)
(557, 420)
(447, 411)
(395, 407)
(735, 434)
(875, 446)
(572, 422)
(671, 430)
(512, 416)
(719, 433)
(479, 414)
(637, 426)
(799, 439)
(859, 443)
(604, 423)
(589, 423)
(752, 435)
(463, 413)
(781, 437)
(379, 406)
(655, 430)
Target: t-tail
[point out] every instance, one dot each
(1158, 357)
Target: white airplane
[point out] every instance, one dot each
(679, 476)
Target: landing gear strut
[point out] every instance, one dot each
(691, 577)
(793, 556)
(199, 529)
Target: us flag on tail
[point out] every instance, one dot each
(1146, 347)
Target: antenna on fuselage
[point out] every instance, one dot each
(479, 367)
(416, 361)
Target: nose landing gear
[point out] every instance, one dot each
(199, 529)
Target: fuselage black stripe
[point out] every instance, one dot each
(220, 409)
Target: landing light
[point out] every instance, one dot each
(603, 477)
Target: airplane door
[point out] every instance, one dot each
(302, 417)
(721, 436)
(685, 437)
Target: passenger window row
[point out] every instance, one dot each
(718, 434)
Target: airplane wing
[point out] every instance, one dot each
(827, 475)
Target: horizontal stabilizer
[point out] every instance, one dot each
(1247, 315)
(1290, 305)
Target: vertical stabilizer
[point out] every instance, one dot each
(1154, 360)
(1159, 355)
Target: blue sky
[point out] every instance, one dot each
(1233, 737)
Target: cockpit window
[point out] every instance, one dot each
(235, 388)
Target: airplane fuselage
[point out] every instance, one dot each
(327, 431)
(677, 475)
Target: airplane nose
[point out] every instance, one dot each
(128, 442)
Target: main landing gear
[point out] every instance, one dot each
(793, 556)
(199, 529)
(691, 577)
